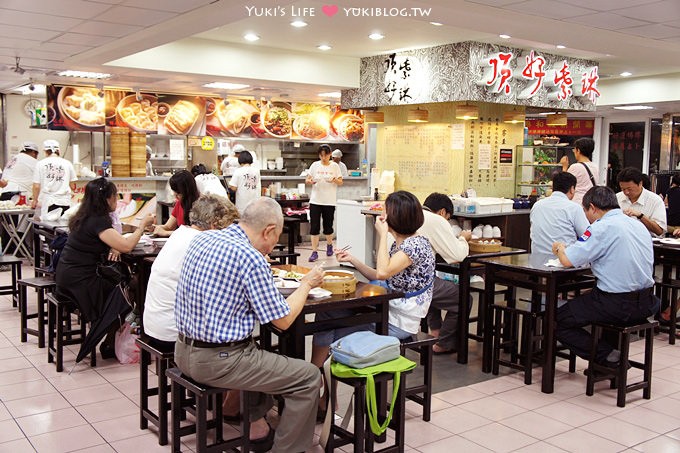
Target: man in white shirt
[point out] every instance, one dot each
(246, 181)
(437, 209)
(336, 155)
(18, 174)
(53, 180)
(557, 218)
(230, 163)
(638, 202)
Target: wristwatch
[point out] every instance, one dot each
(640, 216)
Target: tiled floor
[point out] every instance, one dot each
(95, 410)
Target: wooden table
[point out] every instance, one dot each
(464, 271)
(139, 266)
(529, 271)
(43, 233)
(668, 257)
(10, 221)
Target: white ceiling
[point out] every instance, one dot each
(178, 45)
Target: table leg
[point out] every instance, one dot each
(488, 300)
(548, 378)
(463, 309)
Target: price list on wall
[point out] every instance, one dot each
(485, 138)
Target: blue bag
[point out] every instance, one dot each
(364, 349)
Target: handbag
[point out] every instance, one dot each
(114, 272)
(364, 349)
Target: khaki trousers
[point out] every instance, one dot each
(245, 367)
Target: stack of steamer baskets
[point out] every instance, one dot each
(120, 152)
(137, 154)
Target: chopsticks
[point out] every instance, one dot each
(345, 248)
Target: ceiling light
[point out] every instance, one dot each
(556, 119)
(38, 89)
(634, 107)
(84, 74)
(225, 85)
(376, 36)
(436, 24)
(546, 113)
(371, 117)
(626, 74)
(560, 46)
(324, 47)
(504, 36)
(418, 116)
(331, 94)
(251, 37)
(513, 117)
(298, 23)
(467, 112)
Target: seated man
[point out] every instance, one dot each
(556, 218)
(619, 251)
(225, 286)
(437, 209)
(638, 202)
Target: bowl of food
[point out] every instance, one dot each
(350, 127)
(313, 126)
(234, 116)
(162, 109)
(286, 287)
(290, 271)
(276, 119)
(138, 115)
(83, 106)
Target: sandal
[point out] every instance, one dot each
(263, 444)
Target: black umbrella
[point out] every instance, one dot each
(115, 309)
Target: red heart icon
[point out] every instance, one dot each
(330, 10)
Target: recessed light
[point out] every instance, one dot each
(436, 24)
(331, 94)
(298, 23)
(560, 46)
(324, 47)
(251, 37)
(504, 36)
(226, 85)
(626, 74)
(376, 36)
(84, 74)
(633, 107)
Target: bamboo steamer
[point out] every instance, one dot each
(120, 152)
(137, 154)
(485, 245)
(339, 282)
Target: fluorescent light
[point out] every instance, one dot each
(376, 36)
(634, 107)
(298, 23)
(324, 47)
(560, 46)
(225, 85)
(626, 74)
(84, 74)
(436, 24)
(546, 113)
(251, 37)
(331, 94)
(504, 36)
(38, 89)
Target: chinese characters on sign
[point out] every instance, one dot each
(573, 127)
(403, 78)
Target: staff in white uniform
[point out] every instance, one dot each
(53, 180)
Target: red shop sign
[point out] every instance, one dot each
(573, 127)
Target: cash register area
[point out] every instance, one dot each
(96, 409)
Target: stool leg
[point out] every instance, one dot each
(622, 378)
(426, 352)
(163, 405)
(400, 426)
(41, 318)
(51, 325)
(144, 360)
(362, 432)
(590, 382)
(528, 347)
(201, 422)
(245, 421)
(23, 309)
(16, 275)
(497, 332)
(647, 373)
(60, 338)
(176, 396)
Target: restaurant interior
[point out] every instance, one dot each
(302, 55)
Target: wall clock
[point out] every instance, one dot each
(31, 105)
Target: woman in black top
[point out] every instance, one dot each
(91, 238)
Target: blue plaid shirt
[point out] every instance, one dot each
(225, 286)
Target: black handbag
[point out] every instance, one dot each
(115, 272)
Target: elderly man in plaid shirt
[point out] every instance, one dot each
(226, 286)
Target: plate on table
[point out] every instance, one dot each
(286, 287)
(159, 241)
(670, 241)
(318, 293)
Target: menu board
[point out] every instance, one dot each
(181, 115)
(138, 113)
(75, 108)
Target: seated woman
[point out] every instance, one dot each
(91, 236)
(208, 182)
(184, 187)
(209, 212)
(408, 266)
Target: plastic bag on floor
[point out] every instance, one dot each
(127, 350)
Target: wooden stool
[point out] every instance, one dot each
(42, 285)
(618, 376)
(282, 257)
(60, 333)
(163, 361)
(669, 291)
(421, 394)
(363, 437)
(181, 385)
(12, 289)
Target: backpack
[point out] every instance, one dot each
(56, 247)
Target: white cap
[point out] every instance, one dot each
(51, 145)
(29, 146)
(238, 148)
(148, 149)
(336, 153)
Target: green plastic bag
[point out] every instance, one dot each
(395, 366)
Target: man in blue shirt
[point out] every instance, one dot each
(557, 218)
(619, 251)
(225, 287)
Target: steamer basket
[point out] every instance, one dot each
(339, 282)
(476, 245)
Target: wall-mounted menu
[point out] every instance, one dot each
(181, 115)
(136, 112)
(75, 108)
